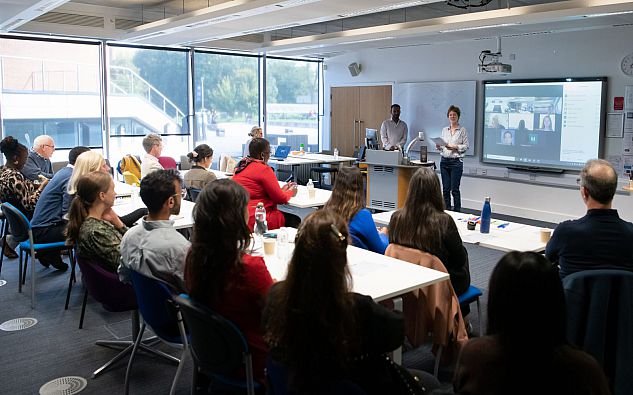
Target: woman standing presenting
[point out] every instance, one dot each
(452, 163)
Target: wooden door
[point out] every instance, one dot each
(344, 107)
(375, 107)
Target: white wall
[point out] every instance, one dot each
(589, 53)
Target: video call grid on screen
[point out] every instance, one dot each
(553, 124)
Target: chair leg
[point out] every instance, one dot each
(250, 386)
(481, 321)
(185, 351)
(71, 280)
(20, 272)
(114, 360)
(137, 340)
(26, 264)
(83, 309)
(4, 240)
(32, 275)
(438, 358)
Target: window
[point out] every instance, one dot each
(147, 93)
(52, 88)
(226, 97)
(292, 103)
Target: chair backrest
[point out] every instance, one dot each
(227, 163)
(18, 222)
(131, 179)
(153, 298)
(57, 166)
(167, 162)
(600, 321)
(105, 286)
(217, 345)
(193, 193)
(184, 163)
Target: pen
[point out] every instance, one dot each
(502, 226)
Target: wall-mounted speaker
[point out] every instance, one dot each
(354, 69)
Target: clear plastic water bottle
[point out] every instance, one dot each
(311, 191)
(486, 213)
(261, 226)
(282, 244)
(335, 153)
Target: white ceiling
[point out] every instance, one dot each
(304, 27)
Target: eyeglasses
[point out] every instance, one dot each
(183, 193)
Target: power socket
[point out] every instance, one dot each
(484, 172)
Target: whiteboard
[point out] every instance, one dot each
(424, 106)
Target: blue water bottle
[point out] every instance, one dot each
(486, 212)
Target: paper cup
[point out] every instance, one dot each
(631, 184)
(269, 246)
(546, 234)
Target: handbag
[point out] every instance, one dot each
(403, 381)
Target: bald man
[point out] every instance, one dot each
(39, 161)
(600, 239)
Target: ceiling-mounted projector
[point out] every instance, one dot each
(489, 62)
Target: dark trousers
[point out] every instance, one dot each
(451, 170)
(49, 234)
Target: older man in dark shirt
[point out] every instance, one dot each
(39, 163)
(600, 239)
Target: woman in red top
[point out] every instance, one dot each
(218, 270)
(254, 174)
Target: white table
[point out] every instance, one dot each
(302, 200)
(309, 159)
(376, 275)
(181, 221)
(503, 236)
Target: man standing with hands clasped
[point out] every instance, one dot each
(393, 132)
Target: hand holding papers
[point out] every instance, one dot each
(439, 141)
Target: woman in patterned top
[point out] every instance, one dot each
(93, 225)
(14, 187)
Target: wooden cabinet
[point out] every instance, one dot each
(353, 109)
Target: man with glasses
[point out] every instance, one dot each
(153, 146)
(38, 164)
(600, 239)
(153, 247)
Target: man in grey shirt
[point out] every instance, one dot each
(153, 247)
(394, 132)
(38, 162)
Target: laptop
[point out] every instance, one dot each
(281, 152)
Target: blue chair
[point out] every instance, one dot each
(193, 194)
(472, 294)
(22, 232)
(217, 346)
(158, 310)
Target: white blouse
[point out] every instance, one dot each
(459, 139)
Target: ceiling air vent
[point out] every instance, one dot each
(125, 24)
(63, 18)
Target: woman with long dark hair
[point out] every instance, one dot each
(199, 175)
(218, 269)
(525, 350)
(317, 329)
(92, 224)
(422, 224)
(254, 174)
(348, 200)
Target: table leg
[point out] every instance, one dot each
(396, 354)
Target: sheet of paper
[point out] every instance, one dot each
(627, 144)
(615, 124)
(439, 141)
(364, 268)
(628, 122)
(628, 97)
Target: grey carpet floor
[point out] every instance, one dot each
(55, 347)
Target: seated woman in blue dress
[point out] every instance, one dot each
(348, 201)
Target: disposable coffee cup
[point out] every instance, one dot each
(269, 246)
(546, 234)
(631, 184)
